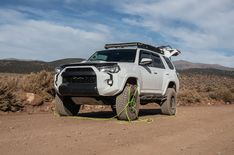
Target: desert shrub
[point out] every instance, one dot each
(194, 89)
(13, 89)
(8, 99)
(205, 88)
(39, 83)
(223, 94)
(188, 97)
(213, 96)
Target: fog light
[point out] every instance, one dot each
(110, 82)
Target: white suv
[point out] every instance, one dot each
(124, 75)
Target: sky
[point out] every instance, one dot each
(55, 29)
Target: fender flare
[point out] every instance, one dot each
(126, 79)
(169, 84)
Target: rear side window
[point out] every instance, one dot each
(168, 61)
(157, 62)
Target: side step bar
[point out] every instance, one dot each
(152, 97)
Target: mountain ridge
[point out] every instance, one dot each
(12, 65)
(183, 64)
(28, 66)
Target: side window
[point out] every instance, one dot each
(157, 62)
(170, 65)
(144, 54)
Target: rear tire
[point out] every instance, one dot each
(64, 106)
(126, 111)
(168, 106)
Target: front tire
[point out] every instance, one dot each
(64, 106)
(168, 106)
(113, 108)
(125, 109)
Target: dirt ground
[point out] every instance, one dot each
(206, 130)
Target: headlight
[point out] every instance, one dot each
(58, 70)
(109, 69)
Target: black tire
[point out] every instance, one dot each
(113, 107)
(64, 106)
(124, 110)
(168, 106)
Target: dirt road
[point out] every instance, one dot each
(195, 130)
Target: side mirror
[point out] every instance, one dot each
(84, 61)
(146, 61)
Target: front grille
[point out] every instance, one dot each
(79, 79)
(79, 75)
(79, 70)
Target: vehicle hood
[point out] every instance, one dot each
(96, 64)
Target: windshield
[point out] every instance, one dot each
(118, 55)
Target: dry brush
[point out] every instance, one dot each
(195, 89)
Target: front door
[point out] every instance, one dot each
(152, 74)
(159, 70)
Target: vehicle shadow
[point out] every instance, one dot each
(99, 114)
(110, 114)
(148, 112)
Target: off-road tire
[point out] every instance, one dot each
(168, 106)
(113, 108)
(130, 112)
(64, 106)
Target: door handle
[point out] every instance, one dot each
(155, 73)
(167, 73)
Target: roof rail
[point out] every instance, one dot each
(134, 44)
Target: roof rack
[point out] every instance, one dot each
(134, 44)
(167, 50)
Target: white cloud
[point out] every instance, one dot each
(10, 16)
(199, 28)
(213, 20)
(37, 39)
(195, 25)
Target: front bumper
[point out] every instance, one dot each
(87, 81)
(68, 89)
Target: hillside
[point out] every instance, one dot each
(182, 64)
(28, 66)
(207, 71)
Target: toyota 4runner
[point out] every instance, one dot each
(123, 75)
